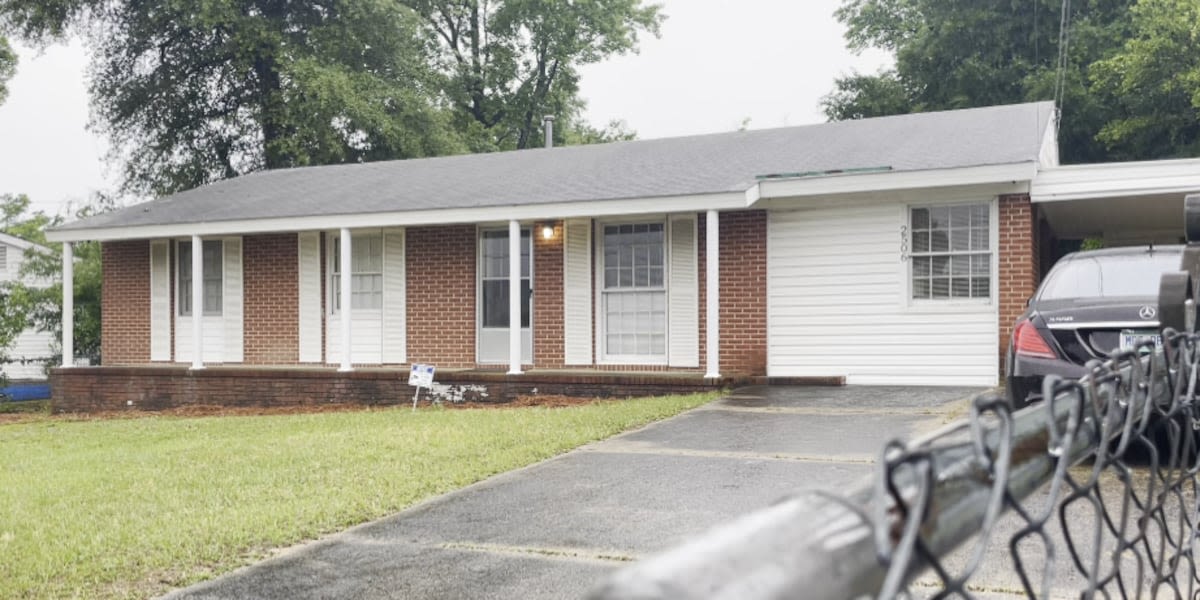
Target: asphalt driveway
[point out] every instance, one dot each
(553, 529)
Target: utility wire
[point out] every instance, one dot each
(1064, 42)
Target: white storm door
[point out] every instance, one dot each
(493, 296)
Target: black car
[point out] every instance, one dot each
(1091, 304)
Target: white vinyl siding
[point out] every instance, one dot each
(839, 303)
(31, 349)
(683, 294)
(577, 292)
(310, 296)
(29, 355)
(160, 300)
(395, 327)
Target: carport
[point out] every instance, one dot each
(1120, 204)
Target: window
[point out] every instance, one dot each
(634, 291)
(213, 266)
(366, 279)
(951, 252)
(493, 278)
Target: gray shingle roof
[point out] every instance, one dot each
(702, 164)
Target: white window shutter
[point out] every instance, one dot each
(683, 295)
(577, 292)
(231, 303)
(395, 327)
(160, 300)
(310, 296)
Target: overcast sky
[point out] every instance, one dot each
(717, 63)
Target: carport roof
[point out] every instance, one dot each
(722, 163)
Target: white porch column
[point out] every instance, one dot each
(344, 292)
(712, 269)
(197, 302)
(514, 298)
(68, 305)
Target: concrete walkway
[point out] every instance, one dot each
(553, 529)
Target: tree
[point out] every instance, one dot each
(504, 64)
(953, 55)
(1156, 80)
(192, 92)
(35, 298)
(8, 66)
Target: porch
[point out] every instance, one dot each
(158, 387)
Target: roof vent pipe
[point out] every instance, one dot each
(548, 125)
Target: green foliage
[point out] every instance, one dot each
(1092, 243)
(133, 507)
(8, 66)
(952, 55)
(193, 92)
(1156, 79)
(858, 96)
(35, 298)
(503, 65)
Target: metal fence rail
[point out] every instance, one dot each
(1092, 493)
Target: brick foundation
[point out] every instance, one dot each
(743, 290)
(125, 302)
(160, 387)
(1019, 263)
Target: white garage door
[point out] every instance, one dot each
(838, 304)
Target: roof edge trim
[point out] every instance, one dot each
(559, 210)
(1114, 180)
(900, 180)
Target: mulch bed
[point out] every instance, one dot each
(550, 401)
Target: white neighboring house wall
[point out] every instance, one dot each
(838, 299)
(31, 348)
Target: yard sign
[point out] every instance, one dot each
(420, 376)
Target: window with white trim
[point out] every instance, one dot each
(366, 277)
(213, 272)
(951, 253)
(634, 293)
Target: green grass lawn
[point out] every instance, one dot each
(134, 507)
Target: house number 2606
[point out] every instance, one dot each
(903, 243)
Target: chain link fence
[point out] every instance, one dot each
(1091, 493)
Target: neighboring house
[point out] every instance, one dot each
(895, 250)
(30, 352)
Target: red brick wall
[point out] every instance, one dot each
(161, 387)
(441, 295)
(548, 296)
(743, 311)
(125, 302)
(271, 278)
(1019, 262)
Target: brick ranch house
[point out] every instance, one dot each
(895, 250)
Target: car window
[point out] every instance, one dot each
(1108, 276)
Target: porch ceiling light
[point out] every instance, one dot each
(548, 232)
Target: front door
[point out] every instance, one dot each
(493, 296)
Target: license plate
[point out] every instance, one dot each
(1132, 337)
